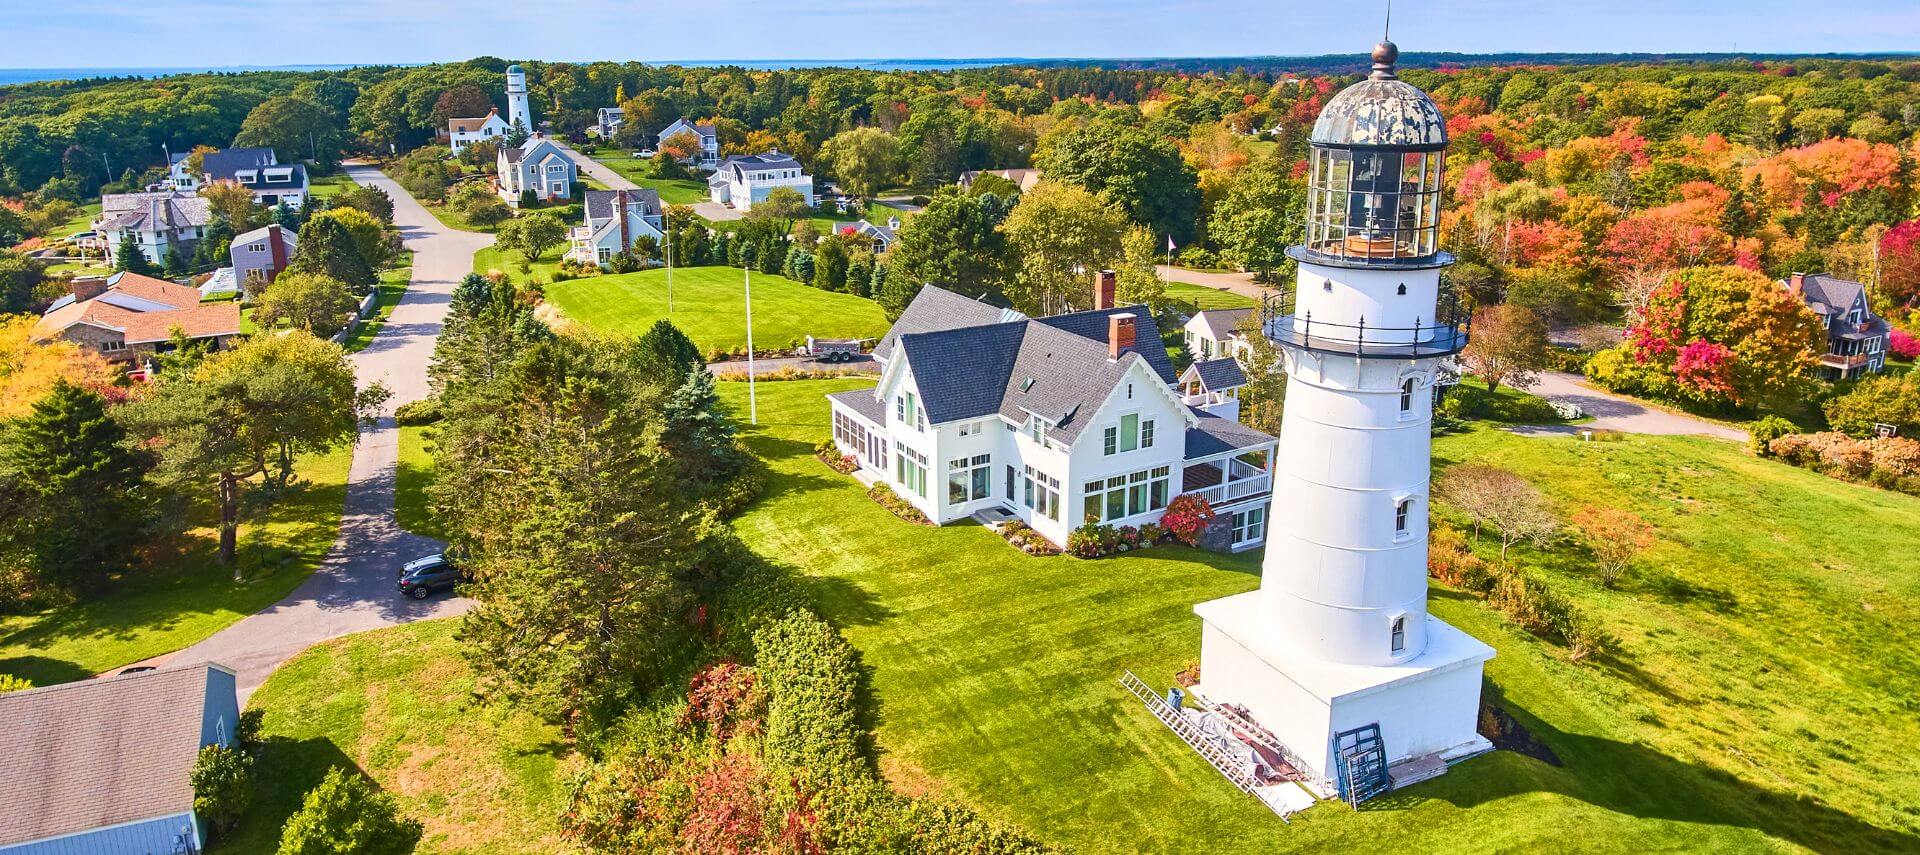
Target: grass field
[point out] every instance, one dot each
(188, 596)
(398, 705)
(709, 306)
(324, 186)
(1762, 699)
(1207, 298)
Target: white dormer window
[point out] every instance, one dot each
(1037, 430)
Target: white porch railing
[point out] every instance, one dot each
(1233, 491)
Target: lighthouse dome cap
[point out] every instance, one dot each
(513, 69)
(1382, 110)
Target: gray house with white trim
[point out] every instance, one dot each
(103, 766)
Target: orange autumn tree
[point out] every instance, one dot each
(29, 369)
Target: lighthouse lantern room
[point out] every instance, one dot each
(1335, 653)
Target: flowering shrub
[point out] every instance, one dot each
(830, 455)
(1706, 367)
(1023, 537)
(725, 698)
(1893, 462)
(1187, 516)
(900, 507)
(1088, 541)
(1904, 345)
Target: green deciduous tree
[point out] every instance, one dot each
(295, 129)
(305, 301)
(864, 160)
(1131, 167)
(327, 248)
(532, 235)
(1062, 235)
(245, 413)
(346, 814)
(956, 243)
(1259, 218)
(222, 781)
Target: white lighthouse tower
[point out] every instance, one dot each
(1335, 654)
(517, 113)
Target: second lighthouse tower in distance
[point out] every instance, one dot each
(1336, 654)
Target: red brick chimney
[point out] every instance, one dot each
(1104, 284)
(620, 210)
(277, 249)
(1797, 282)
(88, 287)
(1119, 334)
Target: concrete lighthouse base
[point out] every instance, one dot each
(1428, 705)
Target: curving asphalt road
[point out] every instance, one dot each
(1618, 412)
(353, 589)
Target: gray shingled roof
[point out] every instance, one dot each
(600, 202)
(863, 402)
(1216, 374)
(1146, 334)
(1071, 376)
(962, 373)
(936, 308)
(1214, 435)
(224, 163)
(1837, 294)
(94, 753)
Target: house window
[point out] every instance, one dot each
(1130, 432)
(969, 479)
(605, 254)
(972, 428)
(114, 346)
(910, 470)
(1146, 433)
(1110, 499)
(1399, 633)
(1037, 430)
(256, 247)
(1129, 391)
(1041, 493)
(1250, 526)
(1402, 510)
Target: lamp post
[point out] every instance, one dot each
(753, 401)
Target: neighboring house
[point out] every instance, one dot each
(1213, 386)
(99, 766)
(126, 317)
(882, 236)
(1026, 178)
(465, 132)
(1856, 337)
(1216, 333)
(256, 169)
(260, 255)
(1053, 420)
(607, 233)
(745, 180)
(608, 121)
(159, 221)
(536, 165)
(709, 157)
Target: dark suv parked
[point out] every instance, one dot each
(422, 576)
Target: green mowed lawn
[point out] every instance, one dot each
(186, 596)
(1763, 698)
(398, 705)
(411, 481)
(709, 305)
(673, 191)
(393, 286)
(1207, 298)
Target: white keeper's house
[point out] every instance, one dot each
(615, 219)
(1336, 655)
(488, 128)
(1053, 420)
(536, 165)
(745, 180)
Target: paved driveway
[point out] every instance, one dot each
(713, 211)
(353, 590)
(1615, 412)
(1238, 283)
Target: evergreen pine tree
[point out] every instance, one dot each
(327, 248)
(77, 486)
(287, 216)
(665, 351)
(177, 266)
(696, 433)
(130, 258)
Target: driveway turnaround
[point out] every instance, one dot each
(355, 587)
(1617, 412)
(712, 212)
(1238, 283)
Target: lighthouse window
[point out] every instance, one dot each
(1403, 289)
(1406, 395)
(1401, 511)
(1400, 633)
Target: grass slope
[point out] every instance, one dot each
(1746, 713)
(398, 705)
(187, 596)
(709, 306)
(674, 191)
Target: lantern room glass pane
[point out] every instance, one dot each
(1374, 205)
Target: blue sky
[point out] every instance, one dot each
(264, 32)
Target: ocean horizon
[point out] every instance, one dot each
(10, 76)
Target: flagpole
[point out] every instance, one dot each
(668, 252)
(753, 401)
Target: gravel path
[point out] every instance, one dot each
(1616, 412)
(354, 588)
(1238, 283)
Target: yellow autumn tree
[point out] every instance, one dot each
(28, 369)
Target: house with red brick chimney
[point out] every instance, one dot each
(984, 412)
(1856, 337)
(127, 317)
(614, 221)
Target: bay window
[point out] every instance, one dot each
(1121, 496)
(969, 479)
